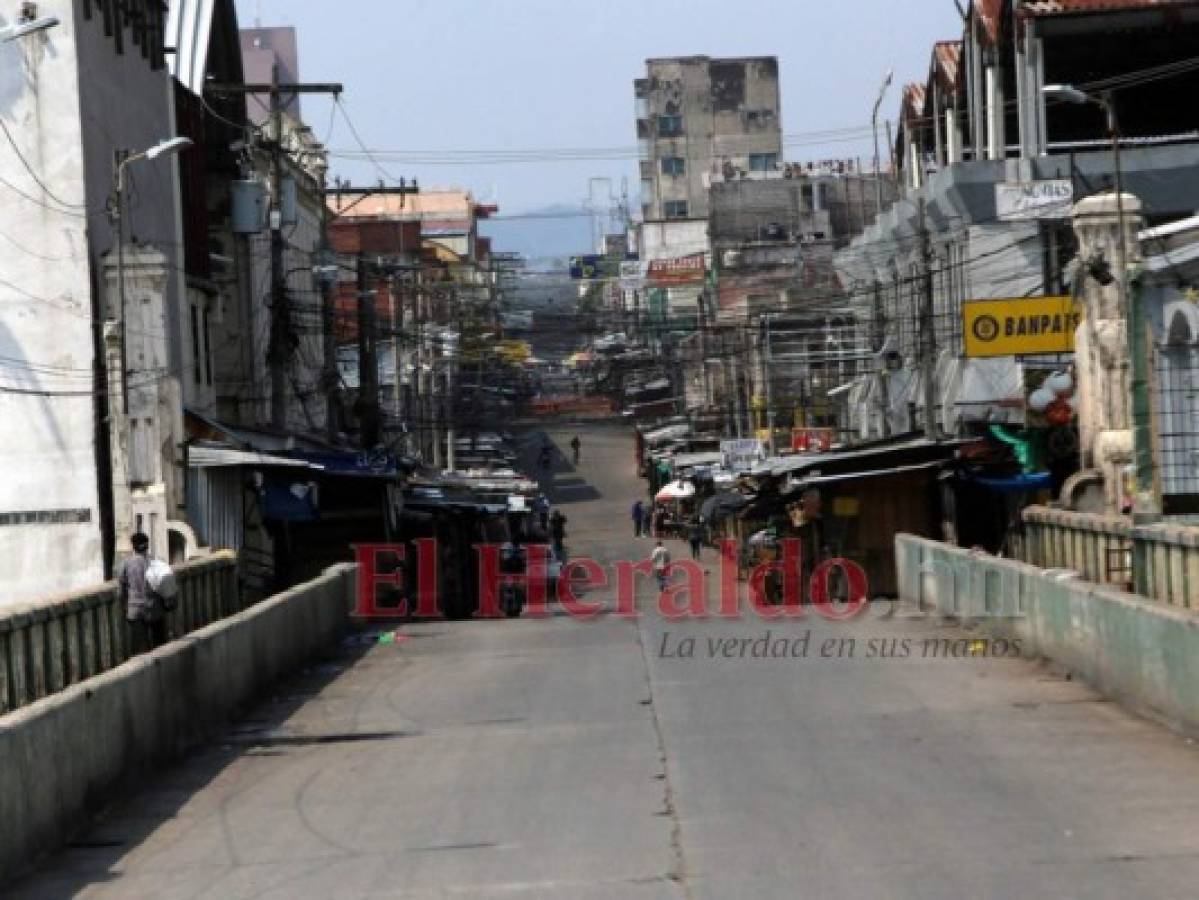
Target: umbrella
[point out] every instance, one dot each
(721, 505)
(676, 490)
(765, 538)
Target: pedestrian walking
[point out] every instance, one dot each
(145, 611)
(542, 505)
(576, 445)
(659, 521)
(660, 560)
(696, 538)
(647, 520)
(558, 531)
(638, 518)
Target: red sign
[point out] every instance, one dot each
(812, 440)
(683, 270)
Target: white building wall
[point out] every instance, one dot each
(69, 101)
(47, 351)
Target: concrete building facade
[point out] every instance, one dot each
(698, 117)
(72, 98)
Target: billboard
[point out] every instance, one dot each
(1020, 327)
(742, 455)
(1033, 200)
(683, 270)
(594, 266)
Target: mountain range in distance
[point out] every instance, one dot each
(547, 235)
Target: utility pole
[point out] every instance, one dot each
(418, 368)
(703, 348)
(281, 349)
(328, 282)
(879, 346)
(928, 335)
(764, 360)
(368, 363)
(450, 433)
(397, 337)
(368, 318)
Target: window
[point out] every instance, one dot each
(759, 117)
(675, 209)
(670, 126)
(763, 162)
(674, 165)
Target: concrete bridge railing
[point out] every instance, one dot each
(46, 647)
(65, 757)
(1140, 652)
(1160, 562)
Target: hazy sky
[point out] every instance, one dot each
(486, 75)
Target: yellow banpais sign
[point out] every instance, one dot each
(1020, 327)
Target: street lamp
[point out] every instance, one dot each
(882, 92)
(1070, 94)
(169, 146)
(1145, 506)
(21, 29)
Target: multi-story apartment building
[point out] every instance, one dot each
(697, 117)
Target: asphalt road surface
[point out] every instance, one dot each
(554, 758)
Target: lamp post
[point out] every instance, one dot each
(1071, 94)
(1146, 505)
(30, 26)
(878, 184)
(170, 146)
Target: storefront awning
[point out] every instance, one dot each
(200, 456)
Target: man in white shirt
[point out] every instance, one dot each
(660, 559)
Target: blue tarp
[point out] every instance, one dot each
(1018, 484)
(287, 500)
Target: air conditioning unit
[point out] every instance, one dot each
(731, 259)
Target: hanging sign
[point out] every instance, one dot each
(1033, 200)
(1020, 327)
(683, 270)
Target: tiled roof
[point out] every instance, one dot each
(425, 205)
(947, 62)
(1068, 7)
(990, 13)
(913, 100)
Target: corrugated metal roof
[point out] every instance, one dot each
(1074, 7)
(189, 27)
(200, 456)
